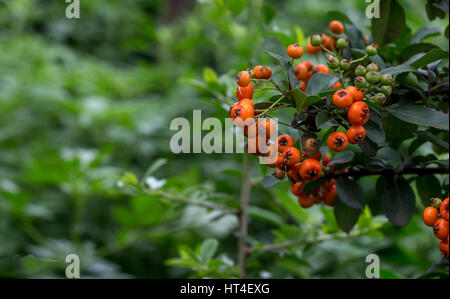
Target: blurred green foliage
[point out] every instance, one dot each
(87, 102)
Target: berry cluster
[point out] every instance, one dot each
(436, 216)
(302, 164)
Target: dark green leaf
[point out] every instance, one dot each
(324, 120)
(414, 49)
(420, 115)
(428, 186)
(391, 23)
(342, 158)
(339, 16)
(236, 6)
(320, 82)
(350, 193)
(397, 199)
(355, 37)
(430, 57)
(346, 216)
(424, 33)
(397, 130)
(269, 181)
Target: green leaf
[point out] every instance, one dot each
(355, 37)
(339, 16)
(269, 181)
(424, 33)
(397, 199)
(300, 36)
(397, 130)
(433, 139)
(236, 6)
(208, 249)
(420, 115)
(299, 99)
(324, 120)
(402, 68)
(209, 75)
(391, 23)
(320, 82)
(154, 167)
(389, 155)
(428, 186)
(375, 133)
(269, 13)
(342, 158)
(350, 193)
(311, 100)
(346, 216)
(430, 57)
(285, 65)
(265, 215)
(415, 49)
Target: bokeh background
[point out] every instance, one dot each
(86, 106)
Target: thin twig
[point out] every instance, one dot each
(243, 215)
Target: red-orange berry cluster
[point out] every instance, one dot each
(436, 216)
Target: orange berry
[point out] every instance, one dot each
(336, 85)
(256, 146)
(310, 170)
(244, 92)
(240, 112)
(248, 102)
(267, 73)
(309, 64)
(311, 49)
(342, 99)
(358, 113)
(322, 68)
(243, 78)
(357, 94)
(297, 188)
(316, 156)
(303, 86)
(311, 145)
(443, 247)
(356, 134)
(444, 209)
(336, 27)
(258, 71)
(284, 141)
(295, 51)
(430, 216)
(326, 160)
(293, 172)
(291, 156)
(306, 200)
(266, 129)
(329, 196)
(337, 141)
(301, 71)
(278, 163)
(440, 229)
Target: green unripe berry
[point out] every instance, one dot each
(386, 79)
(372, 67)
(344, 64)
(342, 43)
(360, 82)
(316, 40)
(372, 77)
(371, 50)
(380, 99)
(332, 62)
(410, 79)
(386, 90)
(360, 70)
